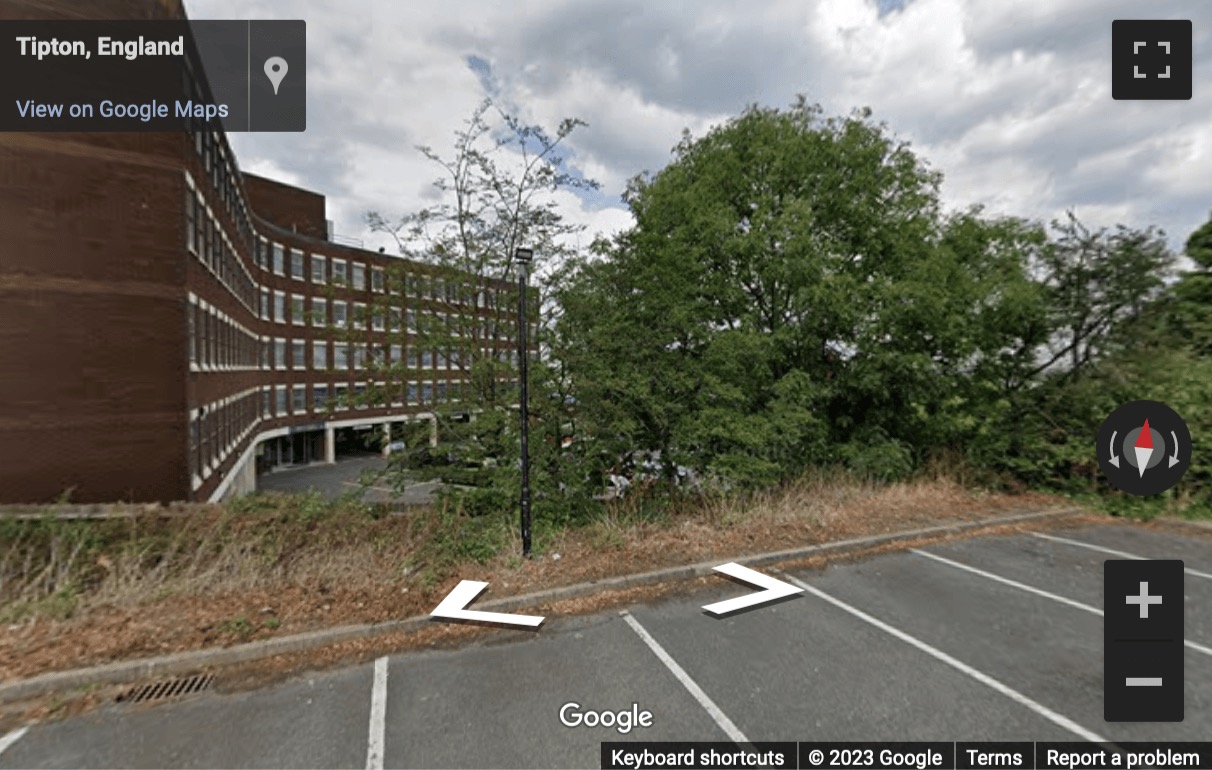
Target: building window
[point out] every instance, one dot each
(378, 281)
(319, 312)
(279, 259)
(191, 221)
(357, 276)
(280, 306)
(298, 354)
(281, 400)
(359, 356)
(342, 394)
(427, 359)
(265, 304)
(192, 333)
(204, 338)
(376, 320)
(319, 397)
(267, 403)
(397, 354)
(412, 393)
(339, 274)
(360, 399)
(318, 272)
(427, 392)
(412, 357)
(412, 321)
(441, 360)
(340, 356)
(397, 318)
(340, 314)
(216, 247)
(279, 353)
(199, 227)
(377, 355)
(441, 394)
(299, 399)
(265, 352)
(260, 248)
(297, 265)
(359, 319)
(319, 354)
(298, 313)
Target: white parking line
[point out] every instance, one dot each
(1112, 551)
(719, 716)
(11, 738)
(378, 716)
(1037, 591)
(1057, 719)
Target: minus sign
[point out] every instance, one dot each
(1144, 681)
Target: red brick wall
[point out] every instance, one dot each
(91, 310)
(288, 207)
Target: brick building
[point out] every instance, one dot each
(169, 325)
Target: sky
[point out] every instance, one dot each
(1011, 101)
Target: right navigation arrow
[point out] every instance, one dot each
(773, 590)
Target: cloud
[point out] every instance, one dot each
(1011, 101)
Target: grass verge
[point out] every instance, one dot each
(82, 592)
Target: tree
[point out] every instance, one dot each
(461, 317)
(1191, 313)
(791, 294)
(1098, 281)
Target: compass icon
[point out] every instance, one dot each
(1144, 448)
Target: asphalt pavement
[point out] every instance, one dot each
(987, 639)
(343, 477)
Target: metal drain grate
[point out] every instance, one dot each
(167, 688)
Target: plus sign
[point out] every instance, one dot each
(1144, 600)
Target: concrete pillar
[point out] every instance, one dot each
(386, 438)
(330, 445)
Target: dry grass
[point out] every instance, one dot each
(85, 592)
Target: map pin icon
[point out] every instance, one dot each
(275, 70)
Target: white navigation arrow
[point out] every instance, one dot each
(1143, 453)
(1114, 457)
(1174, 457)
(454, 607)
(773, 589)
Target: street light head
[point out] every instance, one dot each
(524, 255)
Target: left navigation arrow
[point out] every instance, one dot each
(774, 589)
(454, 607)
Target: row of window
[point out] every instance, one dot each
(282, 353)
(328, 398)
(206, 240)
(216, 341)
(280, 307)
(216, 430)
(319, 269)
(272, 256)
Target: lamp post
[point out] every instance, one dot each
(523, 257)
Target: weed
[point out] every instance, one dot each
(239, 627)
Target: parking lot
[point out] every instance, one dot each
(987, 639)
(343, 477)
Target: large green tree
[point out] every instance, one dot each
(790, 294)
